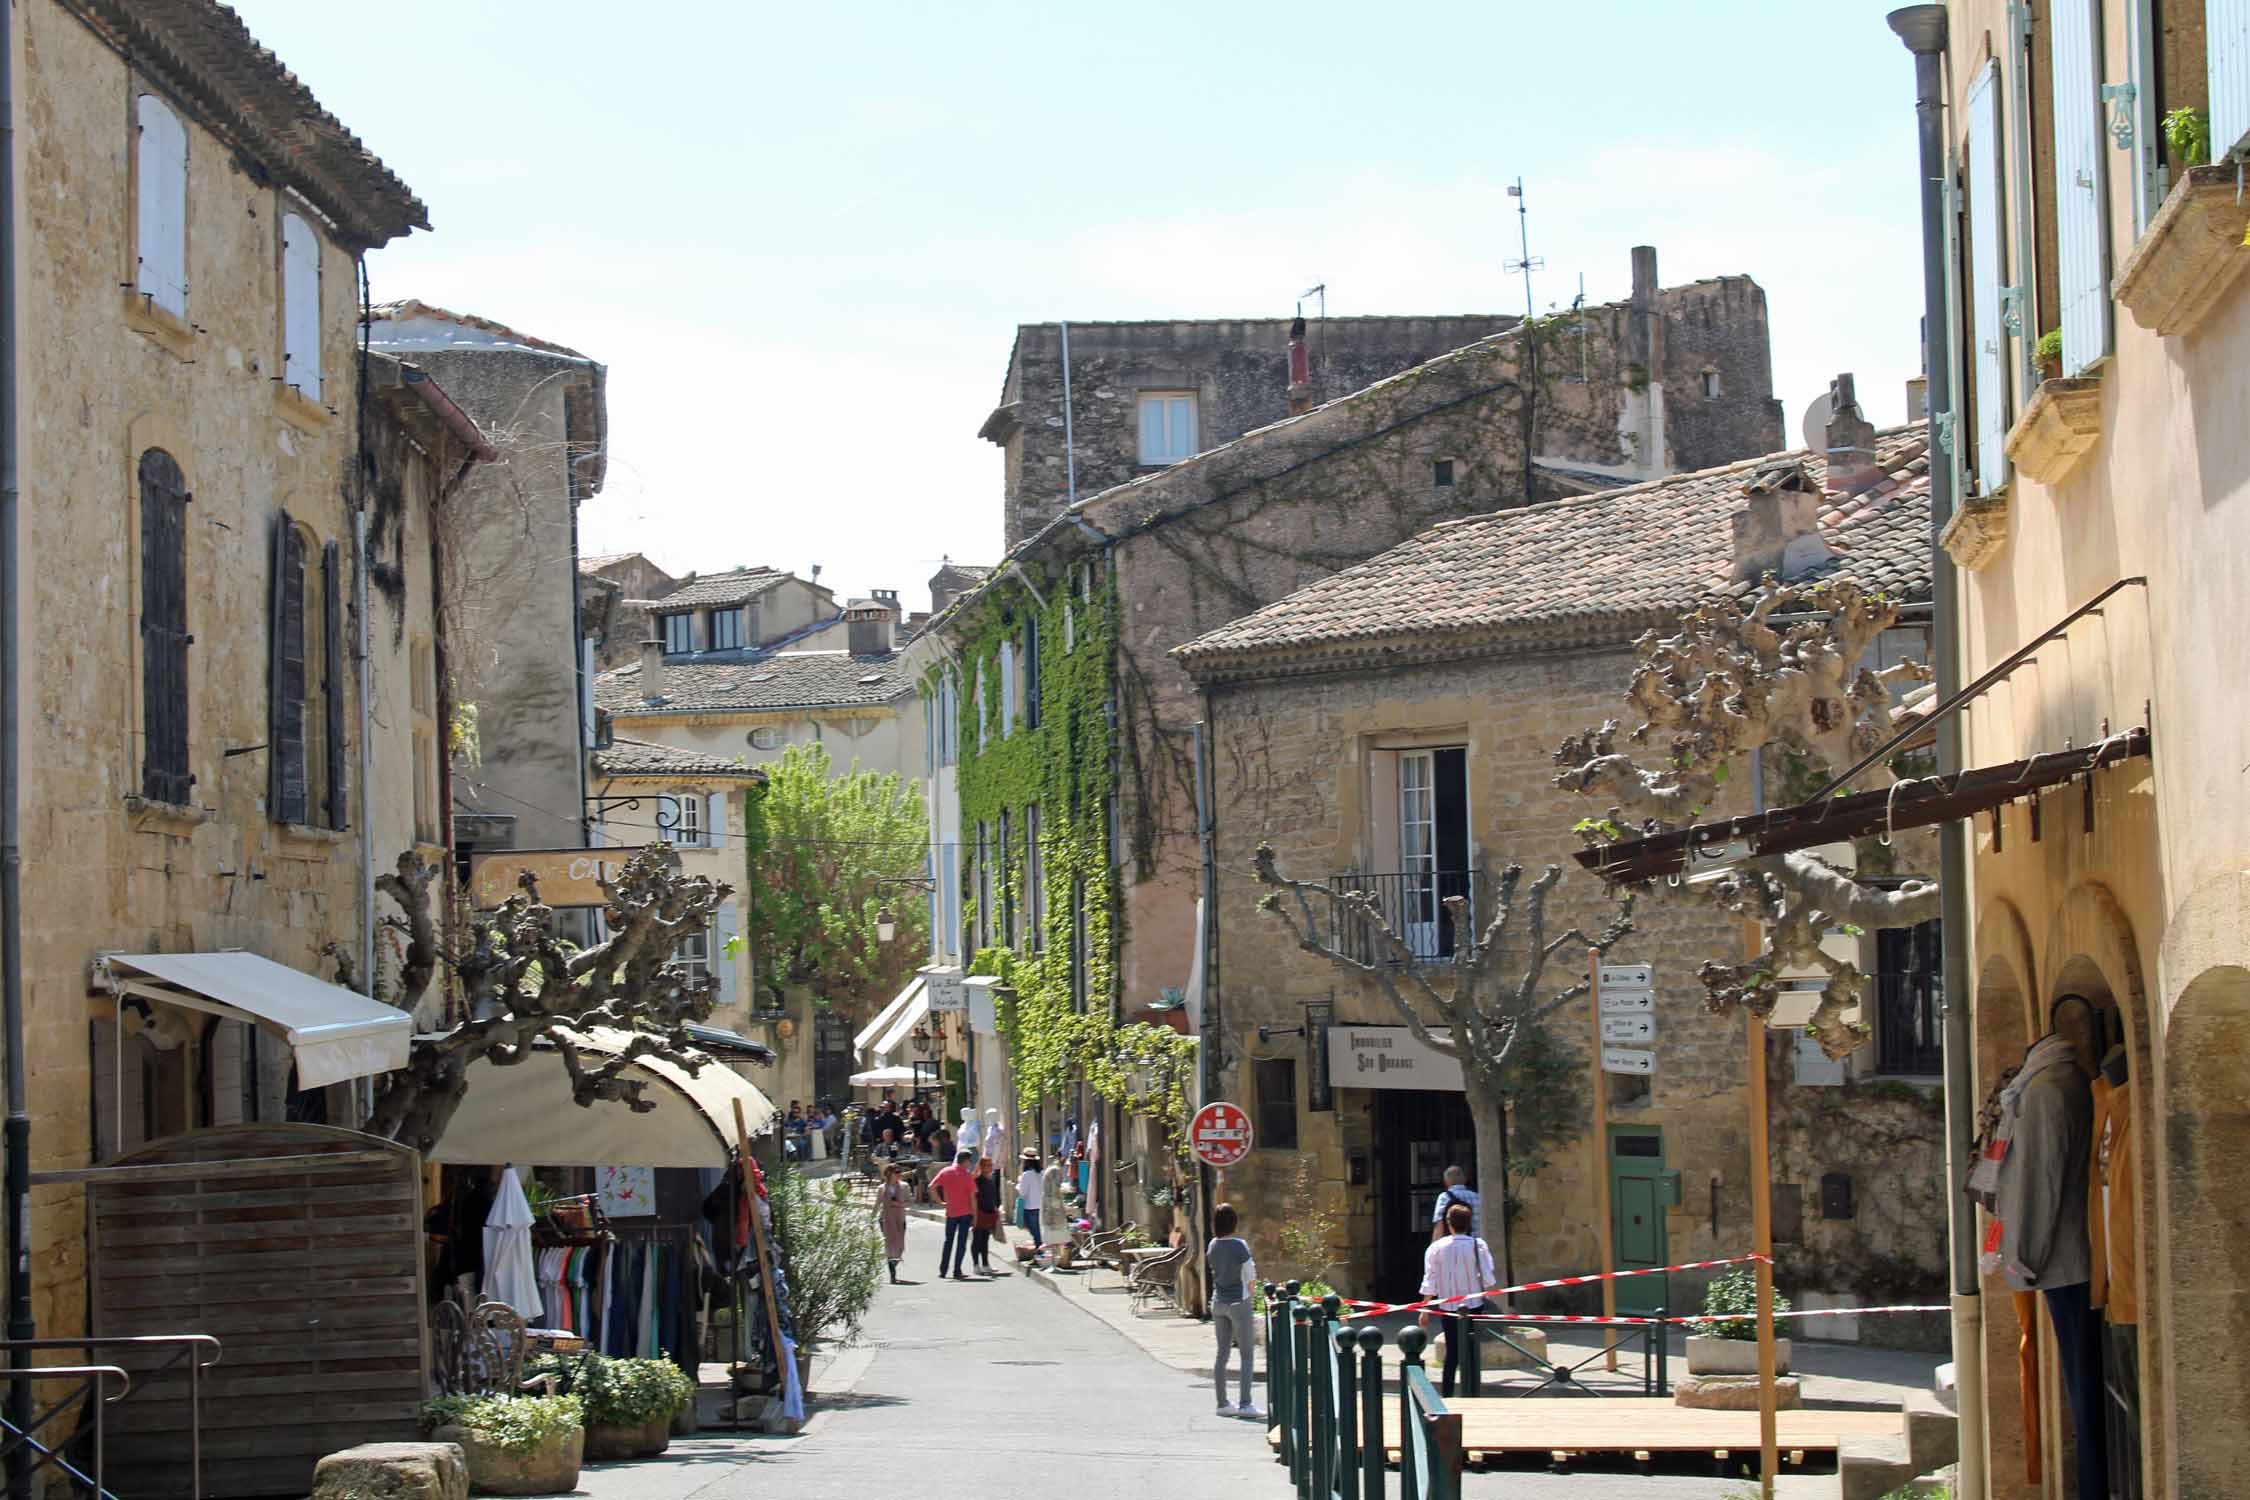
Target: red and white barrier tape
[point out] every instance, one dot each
(1377, 1309)
(1803, 1312)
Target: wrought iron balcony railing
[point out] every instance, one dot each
(1413, 905)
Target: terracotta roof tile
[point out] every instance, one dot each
(787, 679)
(626, 757)
(739, 586)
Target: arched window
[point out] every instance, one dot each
(160, 176)
(164, 633)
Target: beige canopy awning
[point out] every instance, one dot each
(333, 1033)
(917, 988)
(525, 1114)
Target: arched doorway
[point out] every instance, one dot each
(2003, 1032)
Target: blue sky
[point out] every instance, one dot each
(801, 236)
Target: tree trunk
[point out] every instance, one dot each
(1489, 1116)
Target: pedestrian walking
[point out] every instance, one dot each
(1457, 1268)
(987, 1215)
(1231, 1274)
(1457, 1190)
(1030, 1186)
(890, 1212)
(956, 1188)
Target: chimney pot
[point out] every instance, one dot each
(1850, 441)
(1300, 370)
(652, 669)
(1778, 530)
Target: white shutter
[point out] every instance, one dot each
(722, 965)
(715, 821)
(2226, 25)
(161, 168)
(2081, 202)
(225, 1068)
(117, 1130)
(300, 306)
(1989, 341)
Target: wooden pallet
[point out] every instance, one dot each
(1559, 1427)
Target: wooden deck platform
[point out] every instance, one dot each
(1632, 1425)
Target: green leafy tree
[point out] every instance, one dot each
(827, 855)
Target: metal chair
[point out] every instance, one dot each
(1157, 1276)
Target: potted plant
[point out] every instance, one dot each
(515, 1445)
(830, 1253)
(2048, 352)
(2188, 133)
(629, 1403)
(1730, 1346)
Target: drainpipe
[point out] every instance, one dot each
(366, 787)
(1922, 28)
(21, 1323)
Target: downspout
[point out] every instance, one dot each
(21, 1322)
(1207, 1042)
(1923, 29)
(366, 785)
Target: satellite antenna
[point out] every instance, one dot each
(1815, 426)
(1529, 262)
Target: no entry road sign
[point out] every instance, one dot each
(1219, 1135)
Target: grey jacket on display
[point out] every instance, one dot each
(2042, 1193)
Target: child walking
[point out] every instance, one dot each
(1232, 1274)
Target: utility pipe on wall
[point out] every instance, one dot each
(1923, 29)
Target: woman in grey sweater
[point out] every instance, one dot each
(1232, 1274)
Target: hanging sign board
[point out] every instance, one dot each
(945, 988)
(1219, 1135)
(1389, 1057)
(1629, 1028)
(1628, 1060)
(567, 877)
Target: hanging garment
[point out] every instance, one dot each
(644, 1338)
(2027, 1378)
(509, 1276)
(2112, 1209)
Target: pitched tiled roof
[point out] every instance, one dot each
(643, 758)
(595, 562)
(788, 679)
(1584, 567)
(739, 586)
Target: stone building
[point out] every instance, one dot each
(240, 724)
(2122, 482)
(1061, 657)
(1391, 729)
(522, 663)
(614, 594)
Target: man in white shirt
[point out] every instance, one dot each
(1457, 1190)
(1459, 1267)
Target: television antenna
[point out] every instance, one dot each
(1528, 263)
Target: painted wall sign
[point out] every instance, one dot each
(567, 877)
(1389, 1057)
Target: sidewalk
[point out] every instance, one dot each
(1179, 1343)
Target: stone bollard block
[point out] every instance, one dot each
(1734, 1392)
(1499, 1356)
(393, 1471)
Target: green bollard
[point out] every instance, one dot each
(1411, 1342)
(1280, 1367)
(1371, 1455)
(1300, 1391)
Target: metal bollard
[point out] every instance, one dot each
(1300, 1392)
(1344, 1476)
(1280, 1367)
(1323, 1415)
(1371, 1456)
(1411, 1342)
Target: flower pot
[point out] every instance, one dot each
(608, 1442)
(1716, 1356)
(549, 1467)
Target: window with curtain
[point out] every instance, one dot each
(1167, 426)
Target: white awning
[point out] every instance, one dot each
(333, 1033)
(894, 1036)
(524, 1113)
(915, 988)
(883, 1078)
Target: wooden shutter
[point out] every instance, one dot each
(160, 170)
(1031, 673)
(2226, 26)
(164, 637)
(2081, 172)
(715, 821)
(1989, 341)
(332, 683)
(300, 306)
(288, 796)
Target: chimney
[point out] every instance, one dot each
(869, 624)
(652, 669)
(1850, 442)
(1300, 370)
(1641, 417)
(1918, 398)
(1778, 530)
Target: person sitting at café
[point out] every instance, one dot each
(796, 1121)
(888, 1148)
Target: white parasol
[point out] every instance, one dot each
(508, 1273)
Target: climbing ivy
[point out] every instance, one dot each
(1057, 1032)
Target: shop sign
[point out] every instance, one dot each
(945, 988)
(1219, 1135)
(1389, 1057)
(567, 877)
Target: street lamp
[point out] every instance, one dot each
(886, 926)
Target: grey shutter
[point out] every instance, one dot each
(2081, 173)
(164, 637)
(161, 167)
(1989, 341)
(724, 967)
(225, 1063)
(715, 821)
(332, 660)
(288, 796)
(2227, 54)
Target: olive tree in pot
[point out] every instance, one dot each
(830, 1252)
(1730, 1346)
(629, 1403)
(515, 1445)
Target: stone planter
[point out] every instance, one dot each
(549, 1468)
(1714, 1356)
(609, 1442)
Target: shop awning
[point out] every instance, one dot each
(524, 1113)
(916, 989)
(333, 1033)
(884, 1078)
(902, 1025)
(1908, 804)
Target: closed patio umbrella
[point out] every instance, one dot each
(508, 1273)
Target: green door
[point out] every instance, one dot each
(1636, 1195)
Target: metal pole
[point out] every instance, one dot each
(22, 1326)
(1600, 1152)
(1923, 29)
(1371, 1448)
(1761, 1238)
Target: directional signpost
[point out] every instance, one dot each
(1624, 1038)
(1629, 1029)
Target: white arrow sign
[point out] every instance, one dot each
(1628, 1028)
(1627, 1060)
(1618, 1002)
(1628, 976)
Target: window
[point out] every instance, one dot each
(1711, 386)
(679, 820)
(1428, 794)
(765, 737)
(300, 307)
(1007, 883)
(1910, 1000)
(164, 635)
(679, 634)
(1081, 952)
(2081, 182)
(1167, 426)
(693, 957)
(160, 180)
(305, 689)
(1031, 672)
(1276, 1084)
(1441, 473)
(423, 692)
(1034, 881)
(726, 630)
(1007, 687)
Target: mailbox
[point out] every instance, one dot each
(1668, 1187)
